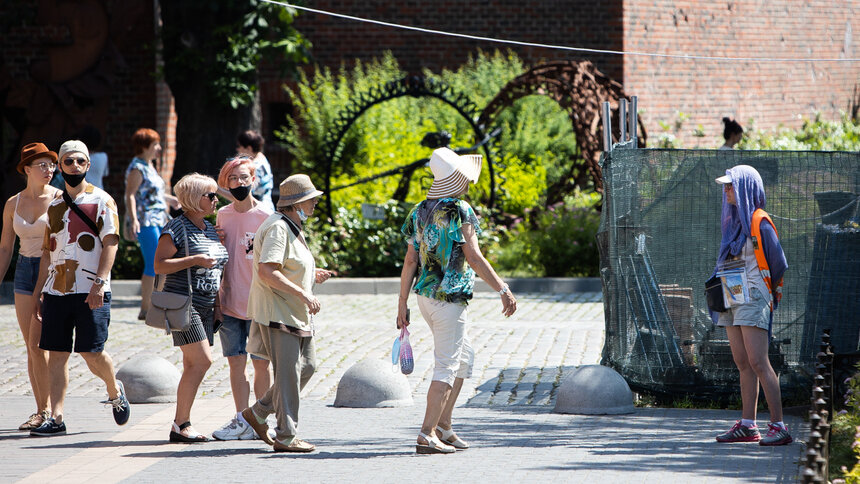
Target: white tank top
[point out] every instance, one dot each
(31, 235)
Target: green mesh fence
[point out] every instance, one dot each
(659, 238)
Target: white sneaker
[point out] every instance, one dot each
(235, 429)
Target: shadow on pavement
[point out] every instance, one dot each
(52, 443)
(182, 450)
(650, 440)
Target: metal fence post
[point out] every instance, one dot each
(622, 119)
(634, 120)
(607, 128)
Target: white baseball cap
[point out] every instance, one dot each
(74, 146)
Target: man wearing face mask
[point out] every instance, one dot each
(236, 224)
(74, 286)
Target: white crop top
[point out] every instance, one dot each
(31, 235)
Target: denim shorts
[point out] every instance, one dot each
(755, 313)
(234, 336)
(69, 317)
(26, 274)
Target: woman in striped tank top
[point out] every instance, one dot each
(204, 266)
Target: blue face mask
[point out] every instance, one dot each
(302, 215)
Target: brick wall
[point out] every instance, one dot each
(770, 93)
(583, 23)
(166, 126)
(54, 111)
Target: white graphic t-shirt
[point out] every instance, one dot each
(75, 248)
(239, 229)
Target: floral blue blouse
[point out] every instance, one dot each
(433, 227)
(149, 199)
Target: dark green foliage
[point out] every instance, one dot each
(358, 247)
(129, 261)
(219, 45)
(845, 436)
(556, 242)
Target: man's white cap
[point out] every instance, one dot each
(74, 146)
(725, 179)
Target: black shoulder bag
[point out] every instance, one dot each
(80, 213)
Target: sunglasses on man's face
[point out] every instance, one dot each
(74, 161)
(212, 196)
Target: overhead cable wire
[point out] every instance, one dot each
(560, 47)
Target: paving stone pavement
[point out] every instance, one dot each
(505, 410)
(519, 360)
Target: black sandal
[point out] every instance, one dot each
(177, 436)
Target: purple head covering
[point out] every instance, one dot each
(736, 219)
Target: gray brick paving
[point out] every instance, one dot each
(505, 409)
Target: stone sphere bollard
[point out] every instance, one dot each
(372, 384)
(149, 379)
(594, 390)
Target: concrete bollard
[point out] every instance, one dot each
(372, 384)
(149, 379)
(594, 390)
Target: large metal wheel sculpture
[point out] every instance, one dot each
(413, 86)
(579, 88)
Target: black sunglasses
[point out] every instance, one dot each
(212, 196)
(72, 161)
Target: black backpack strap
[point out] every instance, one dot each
(294, 228)
(80, 213)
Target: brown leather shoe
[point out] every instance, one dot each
(262, 429)
(297, 445)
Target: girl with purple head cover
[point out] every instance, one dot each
(748, 324)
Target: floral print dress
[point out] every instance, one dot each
(434, 228)
(149, 198)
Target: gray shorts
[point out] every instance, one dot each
(754, 313)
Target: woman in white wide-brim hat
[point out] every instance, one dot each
(443, 253)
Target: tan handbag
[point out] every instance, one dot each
(170, 311)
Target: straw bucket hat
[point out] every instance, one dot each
(296, 189)
(32, 152)
(452, 173)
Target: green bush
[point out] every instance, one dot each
(814, 134)
(558, 242)
(535, 145)
(358, 247)
(845, 436)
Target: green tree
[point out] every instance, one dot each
(212, 51)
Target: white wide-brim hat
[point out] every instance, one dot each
(452, 173)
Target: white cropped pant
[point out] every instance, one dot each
(451, 347)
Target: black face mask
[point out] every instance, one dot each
(74, 180)
(240, 193)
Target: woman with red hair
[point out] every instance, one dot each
(237, 223)
(145, 206)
